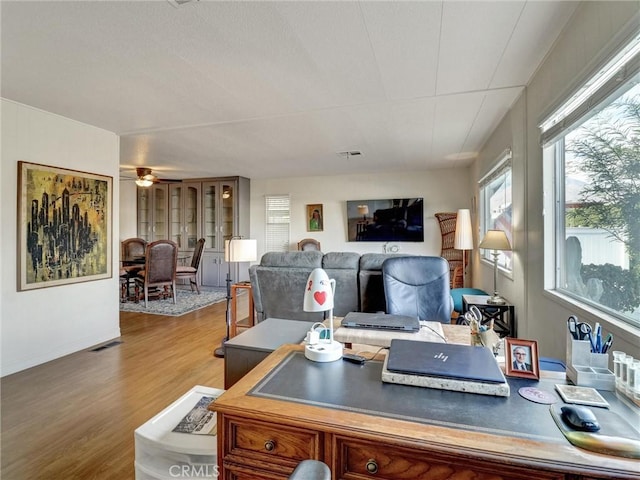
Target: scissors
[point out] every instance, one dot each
(572, 323)
(473, 318)
(579, 330)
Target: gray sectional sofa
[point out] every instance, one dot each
(278, 283)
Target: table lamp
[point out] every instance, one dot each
(318, 297)
(364, 211)
(463, 239)
(236, 249)
(495, 240)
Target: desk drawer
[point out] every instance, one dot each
(363, 460)
(273, 443)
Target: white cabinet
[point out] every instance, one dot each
(162, 454)
(152, 212)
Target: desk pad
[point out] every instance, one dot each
(615, 437)
(358, 388)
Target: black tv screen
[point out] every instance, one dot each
(394, 220)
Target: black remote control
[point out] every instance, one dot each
(349, 357)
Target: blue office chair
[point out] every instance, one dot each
(418, 286)
(311, 470)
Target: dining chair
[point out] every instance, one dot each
(190, 272)
(161, 260)
(309, 244)
(132, 248)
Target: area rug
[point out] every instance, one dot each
(186, 301)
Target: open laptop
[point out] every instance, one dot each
(444, 360)
(381, 321)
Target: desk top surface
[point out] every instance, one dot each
(344, 398)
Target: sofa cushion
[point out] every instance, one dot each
(370, 285)
(305, 259)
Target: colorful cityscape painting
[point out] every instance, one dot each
(64, 226)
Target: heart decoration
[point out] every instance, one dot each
(320, 297)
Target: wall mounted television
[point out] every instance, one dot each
(391, 220)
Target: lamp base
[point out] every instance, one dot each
(324, 351)
(220, 351)
(496, 300)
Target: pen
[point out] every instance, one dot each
(607, 343)
(598, 339)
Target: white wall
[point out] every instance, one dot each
(40, 325)
(128, 212)
(588, 39)
(442, 190)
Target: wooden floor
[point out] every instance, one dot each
(74, 417)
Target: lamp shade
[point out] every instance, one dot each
(318, 295)
(463, 239)
(495, 240)
(363, 209)
(240, 250)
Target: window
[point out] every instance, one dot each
(496, 207)
(592, 162)
(278, 220)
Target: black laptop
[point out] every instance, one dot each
(444, 360)
(381, 321)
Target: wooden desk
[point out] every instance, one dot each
(233, 329)
(263, 434)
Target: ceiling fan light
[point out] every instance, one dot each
(143, 182)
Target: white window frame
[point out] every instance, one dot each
(606, 82)
(498, 174)
(277, 223)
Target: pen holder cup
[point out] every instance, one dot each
(588, 369)
(488, 338)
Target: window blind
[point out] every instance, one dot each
(605, 84)
(277, 223)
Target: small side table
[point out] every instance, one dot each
(233, 328)
(504, 325)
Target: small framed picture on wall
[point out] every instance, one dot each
(314, 217)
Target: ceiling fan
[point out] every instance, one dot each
(145, 178)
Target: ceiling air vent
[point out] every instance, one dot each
(180, 3)
(349, 154)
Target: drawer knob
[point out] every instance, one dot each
(269, 445)
(372, 466)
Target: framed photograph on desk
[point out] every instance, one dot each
(521, 358)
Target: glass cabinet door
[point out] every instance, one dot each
(209, 214)
(159, 193)
(175, 214)
(144, 213)
(227, 211)
(191, 215)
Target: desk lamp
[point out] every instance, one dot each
(236, 249)
(495, 240)
(318, 297)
